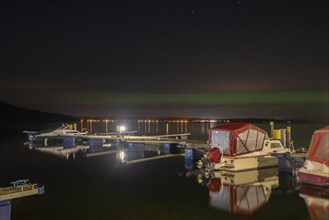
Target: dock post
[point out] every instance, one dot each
(272, 128)
(106, 126)
(283, 137)
(81, 125)
(289, 137)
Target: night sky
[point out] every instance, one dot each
(205, 59)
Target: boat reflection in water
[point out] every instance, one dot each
(70, 150)
(140, 152)
(241, 192)
(317, 201)
(60, 151)
(289, 183)
(127, 152)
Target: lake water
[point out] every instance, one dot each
(102, 187)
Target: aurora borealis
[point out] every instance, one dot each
(167, 59)
(224, 98)
(296, 105)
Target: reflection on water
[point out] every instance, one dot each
(197, 128)
(71, 150)
(140, 152)
(240, 192)
(317, 201)
(156, 126)
(60, 151)
(178, 126)
(247, 192)
(288, 183)
(106, 188)
(126, 152)
(5, 210)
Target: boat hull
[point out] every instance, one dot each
(313, 177)
(236, 164)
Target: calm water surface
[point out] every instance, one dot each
(103, 187)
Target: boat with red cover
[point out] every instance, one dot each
(239, 147)
(316, 167)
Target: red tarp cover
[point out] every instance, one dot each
(319, 147)
(237, 138)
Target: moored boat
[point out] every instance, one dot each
(240, 147)
(316, 167)
(67, 130)
(289, 158)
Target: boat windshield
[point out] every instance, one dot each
(221, 139)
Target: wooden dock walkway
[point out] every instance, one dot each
(23, 190)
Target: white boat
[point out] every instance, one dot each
(241, 146)
(66, 130)
(316, 167)
(282, 147)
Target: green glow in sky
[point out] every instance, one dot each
(303, 104)
(232, 98)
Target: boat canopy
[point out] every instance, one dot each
(319, 146)
(237, 138)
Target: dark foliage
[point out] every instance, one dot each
(11, 113)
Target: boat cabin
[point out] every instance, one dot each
(239, 146)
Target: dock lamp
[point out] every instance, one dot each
(122, 129)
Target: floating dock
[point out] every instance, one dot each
(19, 191)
